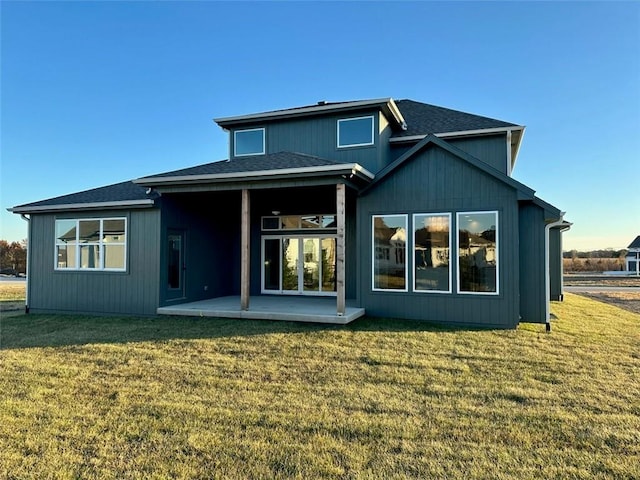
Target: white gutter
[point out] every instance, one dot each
(460, 133)
(547, 274)
(28, 263)
(79, 206)
(353, 167)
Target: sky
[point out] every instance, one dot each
(95, 93)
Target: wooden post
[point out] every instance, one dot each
(340, 249)
(245, 263)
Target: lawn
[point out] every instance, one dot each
(128, 398)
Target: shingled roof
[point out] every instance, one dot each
(635, 244)
(119, 194)
(253, 163)
(422, 119)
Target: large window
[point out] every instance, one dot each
(355, 132)
(390, 252)
(478, 252)
(91, 244)
(431, 244)
(248, 142)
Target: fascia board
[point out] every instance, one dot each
(324, 169)
(83, 206)
(293, 112)
(460, 133)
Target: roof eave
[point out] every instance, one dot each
(83, 206)
(386, 104)
(340, 169)
(460, 133)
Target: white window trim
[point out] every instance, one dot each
(100, 243)
(235, 141)
(458, 215)
(413, 256)
(373, 124)
(373, 254)
(279, 228)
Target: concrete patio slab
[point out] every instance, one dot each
(269, 307)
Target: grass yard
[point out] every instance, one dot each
(127, 398)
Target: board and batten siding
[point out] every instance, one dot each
(532, 278)
(435, 181)
(318, 137)
(133, 292)
(491, 149)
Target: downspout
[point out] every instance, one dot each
(28, 263)
(547, 274)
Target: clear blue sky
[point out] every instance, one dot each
(101, 92)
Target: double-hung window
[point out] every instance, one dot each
(91, 244)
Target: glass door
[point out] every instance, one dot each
(298, 265)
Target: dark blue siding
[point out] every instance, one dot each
(532, 278)
(436, 181)
(132, 292)
(318, 136)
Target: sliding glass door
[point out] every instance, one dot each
(299, 265)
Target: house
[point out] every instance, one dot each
(390, 208)
(632, 259)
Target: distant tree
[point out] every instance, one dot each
(13, 256)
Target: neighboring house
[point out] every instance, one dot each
(632, 260)
(399, 208)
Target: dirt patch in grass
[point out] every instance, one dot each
(600, 281)
(626, 300)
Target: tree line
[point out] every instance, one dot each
(13, 257)
(594, 261)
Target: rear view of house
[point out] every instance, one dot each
(390, 208)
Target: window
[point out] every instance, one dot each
(478, 252)
(248, 142)
(299, 222)
(431, 244)
(389, 252)
(91, 244)
(355, 132)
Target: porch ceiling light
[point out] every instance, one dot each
(275, 212)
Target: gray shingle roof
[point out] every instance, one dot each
(635, 243)
(119, 192)
(254, 163)
(423, 119)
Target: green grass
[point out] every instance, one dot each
(85, 397)
(12, 291)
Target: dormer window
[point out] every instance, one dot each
(355, 132)
(248, 142)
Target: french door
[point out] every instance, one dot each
(299, 265)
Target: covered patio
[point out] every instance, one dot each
(270, 307)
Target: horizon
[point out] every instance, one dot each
(100, 93)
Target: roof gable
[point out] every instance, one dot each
(635, 244)
(430, 141)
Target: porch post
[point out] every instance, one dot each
(340, 249)
(245, 264)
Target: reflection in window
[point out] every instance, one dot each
(92, 244)
(389, 252)
(298, 222)
(249, 142)
(355, 132)
(478, 252)
(432, 239)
